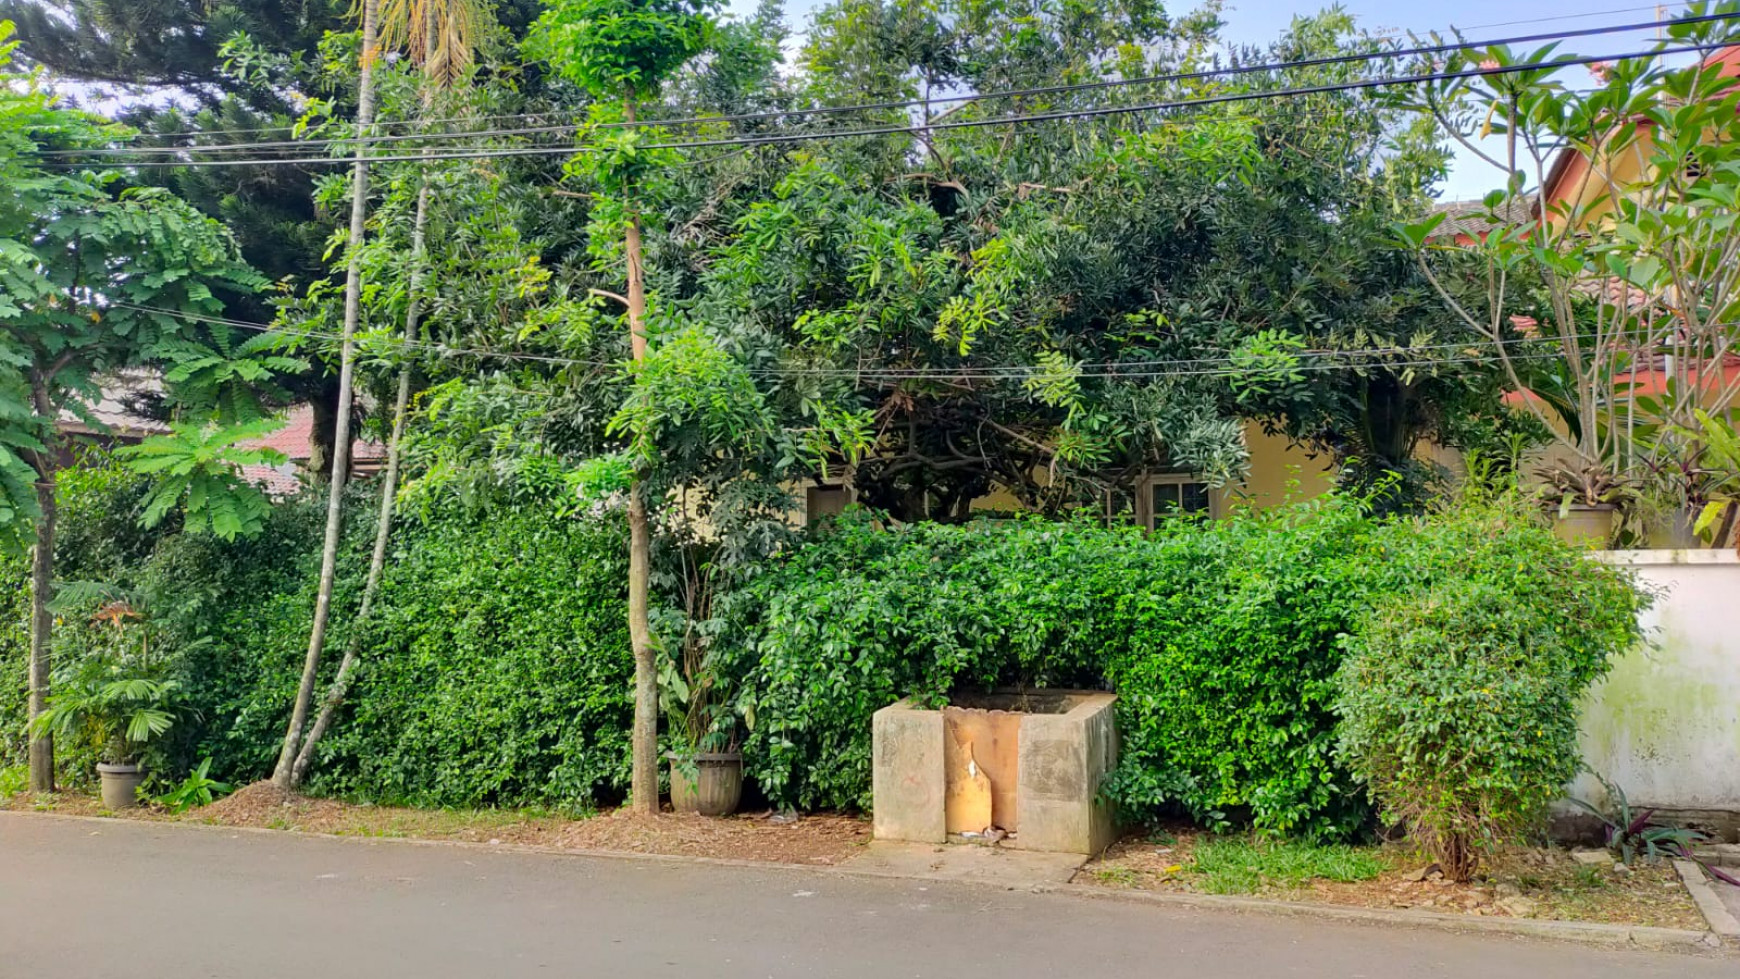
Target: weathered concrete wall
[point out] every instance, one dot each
(1061, 760)
(1064, 758)
(907, 775)
(1664, 726)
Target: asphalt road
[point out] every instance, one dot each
(94, 899)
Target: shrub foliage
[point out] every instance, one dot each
(1278, 668)
(1459, 693)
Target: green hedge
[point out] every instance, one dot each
(1222, 640)
(496, 672)
(1219, 637)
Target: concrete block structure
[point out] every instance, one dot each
(1034, 759)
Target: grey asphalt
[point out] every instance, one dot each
(91, 899)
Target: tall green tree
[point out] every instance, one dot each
(96, 278)
(283, 775)
(624, 50)
(440, 37)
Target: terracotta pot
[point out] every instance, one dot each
(120, 784)
(1586, 526)
(716, 788)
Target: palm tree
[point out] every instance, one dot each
(359, 183)
(439, 36)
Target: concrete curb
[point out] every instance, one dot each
(1716, 914)
(1633, 936)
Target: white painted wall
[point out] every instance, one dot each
(1665, 724)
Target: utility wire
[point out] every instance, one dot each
(1227, 366)
(1060, 115)
(1235, 71)
(912, 103)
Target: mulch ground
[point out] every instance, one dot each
(817, 840)
(1525, 882)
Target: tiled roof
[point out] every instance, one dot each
(293, 438)
(275, 481)
(1472, 218)
(111, 408)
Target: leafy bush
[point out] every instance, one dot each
(1459, 695)
(496, 670)
(196, 790)
(1226, 643)
(1219, 638)
(864, 616)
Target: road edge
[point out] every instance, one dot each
(1588, 933)
(1716, 914)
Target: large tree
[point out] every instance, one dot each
(1054, 306)
(96, 278)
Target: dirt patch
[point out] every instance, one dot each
(819, 840)
(1525, 882)
(822, 840)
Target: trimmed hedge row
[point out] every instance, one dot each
(497, 670)
(1222, 640)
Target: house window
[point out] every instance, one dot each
(1175, 494)
(825, 501)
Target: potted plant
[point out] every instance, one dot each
(1584, 502)
(118, 704)
(1720, 456)
(697, 699)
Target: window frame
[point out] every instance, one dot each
(1150, 516)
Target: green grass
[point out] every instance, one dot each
(1117, 876)
(1236, 866)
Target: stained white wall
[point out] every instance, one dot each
(1665, 724)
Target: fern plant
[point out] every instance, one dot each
(228, 373)
(200, 468)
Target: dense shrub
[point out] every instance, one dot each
(1226, 648)
(1219, 637)
(1459, 694)
(864, 616)
(496, 671)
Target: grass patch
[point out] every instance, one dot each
(1236, 866)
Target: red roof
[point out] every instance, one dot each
(293, 439)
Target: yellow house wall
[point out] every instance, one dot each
(1280, 471)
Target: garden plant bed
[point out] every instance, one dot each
(1521, 882)
(818, 840)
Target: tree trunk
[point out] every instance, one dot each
(41, 749)
(282, 775)
(644, 781)
(384, 521)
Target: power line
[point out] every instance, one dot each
(1060, 115)
(917, 102)
(1227, 366)
(1234, 71)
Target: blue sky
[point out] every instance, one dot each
(1261, 21)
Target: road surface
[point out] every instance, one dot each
(91, 899)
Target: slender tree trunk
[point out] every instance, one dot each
(389, 488)
(282, 775)
(644, 784)
(41, 749)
